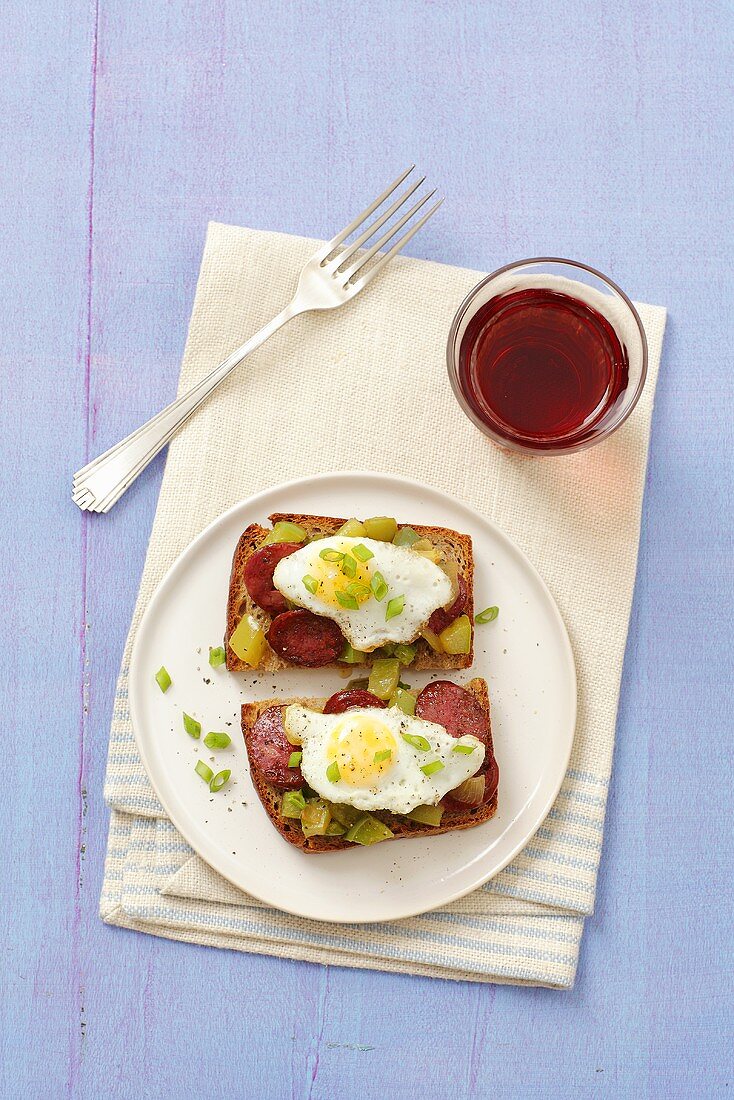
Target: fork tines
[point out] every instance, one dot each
(334, 257)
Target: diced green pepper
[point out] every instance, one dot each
(345, 815)
(382, 528)
(403, 699)
(427, 815)
(284, 531)
(352, 656)
(163, 680)
(384, 677)
(433, 640)
(315, 818)
(335, 828)
(456, 638)
(248, 640)
(406, 536)
(404, 653)
(292, 803)
(352, 529)
(368, 830)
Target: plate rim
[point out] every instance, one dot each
(346, 475)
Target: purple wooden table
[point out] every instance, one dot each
(600, 132)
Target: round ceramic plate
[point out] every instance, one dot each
(524, 655)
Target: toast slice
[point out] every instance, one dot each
(455, 546)
(289, 828)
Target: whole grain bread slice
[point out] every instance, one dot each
(456, 547)
(290, 829)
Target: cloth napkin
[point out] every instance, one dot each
(365, 387)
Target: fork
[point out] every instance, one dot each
(324, 283)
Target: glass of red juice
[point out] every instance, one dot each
(547, 356)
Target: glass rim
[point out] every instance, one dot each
(453, 348)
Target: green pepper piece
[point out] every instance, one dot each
(284, 531)
(384, 677)
(368, 830)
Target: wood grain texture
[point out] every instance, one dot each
(601, 132)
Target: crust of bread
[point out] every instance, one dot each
(290, 829)
(455, 546)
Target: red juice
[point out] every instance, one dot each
(541, 368)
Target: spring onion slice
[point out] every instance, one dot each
(192, 727)
(217, 656)
(219, 780)
(378, 586)
(432, 768)
(487, 616)
(163, 680)
(217, 740)
(204, 771)
(332, 772)
(348, 566)
(295, 759)
(356, 588)
(417, 740)
(346, 599)
(394, 607)
(310, 583)
(330, 555)
(466, 750)
(362, 553)
(384, 754)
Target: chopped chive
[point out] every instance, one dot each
(346, 599)
(310, 583)
(217, 656)
(219, 780)
(487, 616)
(432, 768)
(332, 772)
(330, 555)
(361, 591)
(385, 754)
(417, 740)
(192, 727)
(204, 771)
(394, 607)
(348, 566)
(163, 680)
(362, 553)
(295, 759)
(378, 586)
(217, 740)
(465, 749)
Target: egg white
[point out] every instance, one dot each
(407, 573)
(399, 785)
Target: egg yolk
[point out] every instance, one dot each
(332, 578)
(354, 744)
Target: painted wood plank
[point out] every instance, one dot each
(567, 128)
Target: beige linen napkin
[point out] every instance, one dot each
(365, 387)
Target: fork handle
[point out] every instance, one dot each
(102, 482)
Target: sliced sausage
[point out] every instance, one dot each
(443, 616)
(270, 750)
(258, 574)
(305, 639)
(356, 697)
(454, 708)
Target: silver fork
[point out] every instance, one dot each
(324, 283)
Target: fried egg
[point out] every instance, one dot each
(376, 759)
(377, 592)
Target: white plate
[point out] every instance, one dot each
(525, 656)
